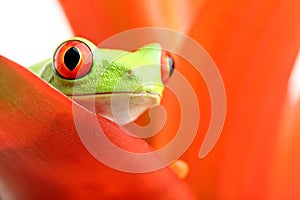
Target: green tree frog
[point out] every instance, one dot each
(96, 78)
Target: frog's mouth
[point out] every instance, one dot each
(120, 107)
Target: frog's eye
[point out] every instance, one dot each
(73, 59)
(167, 66)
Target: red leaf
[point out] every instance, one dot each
(42, 156)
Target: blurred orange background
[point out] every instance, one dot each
(254, 44)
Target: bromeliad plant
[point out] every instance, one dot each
(42, 156)
(254, 44)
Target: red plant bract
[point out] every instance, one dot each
(42, 156)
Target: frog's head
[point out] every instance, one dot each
(117, 84)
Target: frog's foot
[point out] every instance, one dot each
(180, 168)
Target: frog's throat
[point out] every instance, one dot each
(122, 107)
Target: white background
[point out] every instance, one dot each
(32, 29)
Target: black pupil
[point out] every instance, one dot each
(72, 57)
(171, 64)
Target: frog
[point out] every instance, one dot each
(117, 84)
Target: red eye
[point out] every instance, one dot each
(73, 59)
(167, 66)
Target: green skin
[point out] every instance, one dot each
(135, 75)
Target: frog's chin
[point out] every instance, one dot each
(122, 107)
